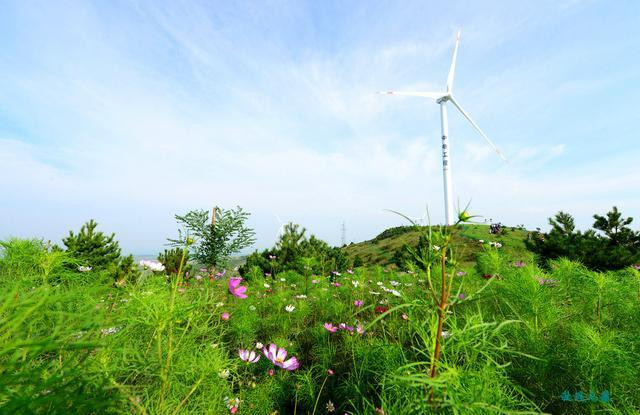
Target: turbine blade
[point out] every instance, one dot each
(464, 113)
(452, 69)
(432, 95)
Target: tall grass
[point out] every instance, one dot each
(72, 342)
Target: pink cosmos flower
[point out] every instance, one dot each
(330, 327)
(461, 296)
(461, 273)
(248, 356)
(358, 303)
(330, 372)
(405, 317)
(236, 289)
(225, 316)
(360, 328)
(271, 372)
(336, 284)
(343, 326)
(519, 264)
(277, 356)
(349, 271)
(315, 281)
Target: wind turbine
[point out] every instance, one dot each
(442, 98)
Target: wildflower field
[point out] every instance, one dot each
(499, 335)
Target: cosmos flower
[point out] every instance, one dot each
(461, 296)
(152, 265)
(278, 356)
(266, 285)
(330, 407)
(358, 303)
(445, 334)
(232, 404)
(360, 329)
(461, 273)
(224, 373)
(336, 284)
(272, 257)
(84, 269)
(336, 273)
(394, 283)
(283, 279)
(380, 309)
(314, 281)
(290, 308)
(259, 345)
(248, 356)
(330, 327)
(236, 289)
(355, 283)
(519, 264)
(349, 271)
(267, 274)
(330, 372)
(343, 326)
(405, 317)
(225, 316)
(198, 277)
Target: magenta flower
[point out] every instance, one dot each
(330, 372)
(336, 284)
(360, 329)
(358, 303)
(330, 327)
(461, 296)
(236, 289)
(248, 356)
(225, 316)
(277, 356)
(271, 372)
(343, 326)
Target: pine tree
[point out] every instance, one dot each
(92, 248)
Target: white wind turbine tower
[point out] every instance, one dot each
(442, 98)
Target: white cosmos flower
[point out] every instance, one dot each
(84, 269)
(259, 345)
(290, 308)
(374, 293)
(283, 279)
(224, 373)
(266, 285)
(396, 293)
(355, 283)
(394, 283)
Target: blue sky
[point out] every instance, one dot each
(131, 112)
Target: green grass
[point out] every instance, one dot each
(71, 342)
(380, 250)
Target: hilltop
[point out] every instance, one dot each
(381, 249)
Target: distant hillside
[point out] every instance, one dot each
(380, 250)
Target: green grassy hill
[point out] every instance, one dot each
(380, 250)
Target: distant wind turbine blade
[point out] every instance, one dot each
(452, 69)
(432, 95)
(464, 113)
